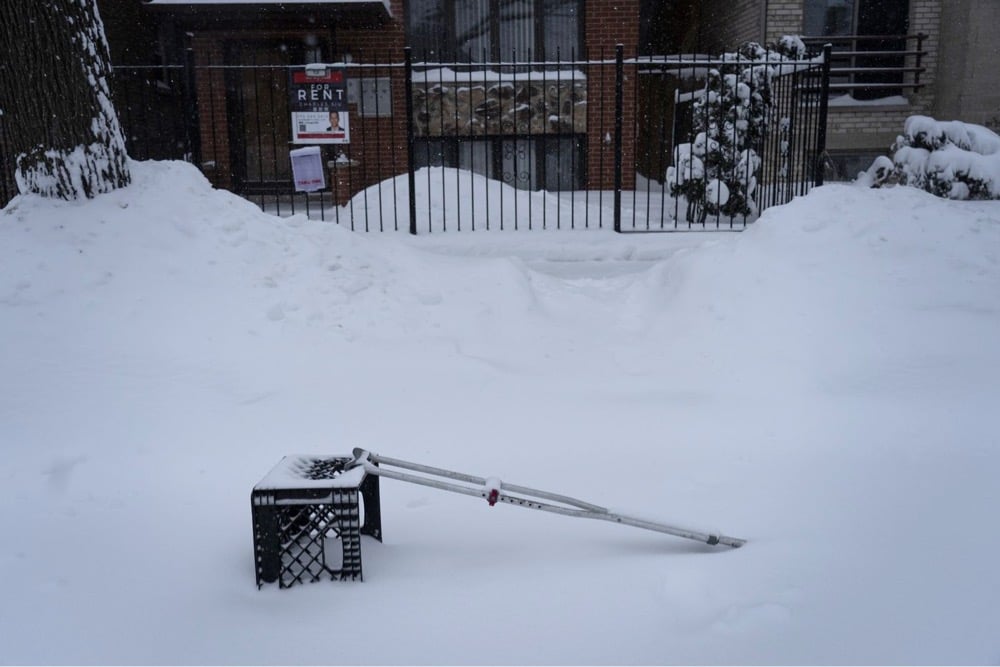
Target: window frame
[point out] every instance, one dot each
(447, 46)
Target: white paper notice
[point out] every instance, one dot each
(307, 169)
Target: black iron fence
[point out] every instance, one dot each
(512, 144)
(244, 129)
(625, 144)
(7, 186)
(718, 140)
(156, 111)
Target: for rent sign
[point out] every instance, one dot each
(318, 102)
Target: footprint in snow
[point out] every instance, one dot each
(276, 313)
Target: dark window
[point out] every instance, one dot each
(855, 17)
(494, 30)
(828, 17)
(886, 19)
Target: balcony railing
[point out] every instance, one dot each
(872, 67)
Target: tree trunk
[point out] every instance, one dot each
(54, 93)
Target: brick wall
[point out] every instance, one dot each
(607, 23)
(856, 130)
(747, 21)
(378, 144)
(730, 23)
(373, 39)
(784, 17)
(925, 17)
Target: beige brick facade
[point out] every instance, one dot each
(868, 129)
(784, 17)
(925, 18)
(865, 128)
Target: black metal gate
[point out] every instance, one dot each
(619, 127)
(514, 144)
(676, 128)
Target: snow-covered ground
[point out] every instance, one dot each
(824, 385)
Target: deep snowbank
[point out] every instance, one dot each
(823, 384)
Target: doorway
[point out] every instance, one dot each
(257, 109)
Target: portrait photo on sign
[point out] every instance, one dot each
(318, 127)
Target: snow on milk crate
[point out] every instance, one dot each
(307, 520)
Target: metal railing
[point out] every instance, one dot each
(874, 66)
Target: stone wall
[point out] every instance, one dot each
(500, 108)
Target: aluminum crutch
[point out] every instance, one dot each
(494, 491)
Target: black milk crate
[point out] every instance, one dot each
(302, 509)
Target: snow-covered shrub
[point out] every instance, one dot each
(716, 173)
(947, 158)
(790, 46)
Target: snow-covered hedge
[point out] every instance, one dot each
(946, 158)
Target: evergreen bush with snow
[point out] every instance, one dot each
(716, 173)
(946, 158)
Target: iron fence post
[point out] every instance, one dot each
(824, 98)
(920, 59)
(192, 122)
(410, 142)
(619, 120)
(8, 188)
